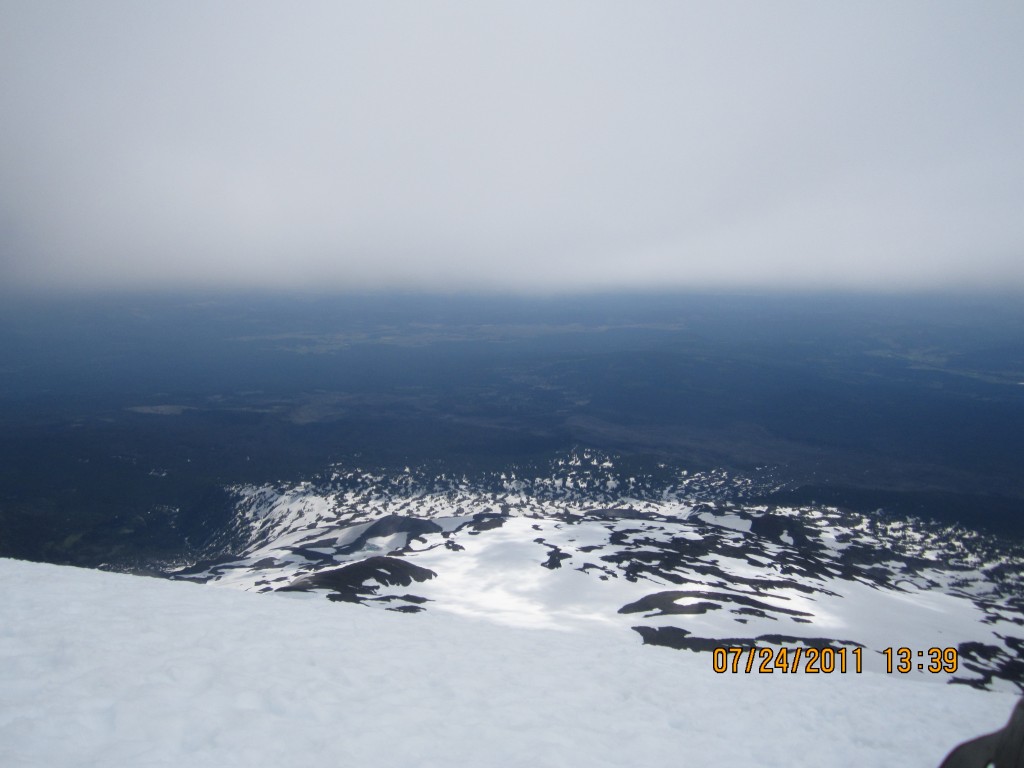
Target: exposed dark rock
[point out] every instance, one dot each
(484, 522)
(310, 555)
(353, 582)
(555, 559)
(1001, 749)
(681, 639)
(389, 525)
(664, 603)
(404, 598)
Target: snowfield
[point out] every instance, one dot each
(688, 560)
(101, 669)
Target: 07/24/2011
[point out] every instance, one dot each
(765, 660)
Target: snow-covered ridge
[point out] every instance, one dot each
(103, 669)
(688, 560)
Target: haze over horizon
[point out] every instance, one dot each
(525, 148)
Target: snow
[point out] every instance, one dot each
(100, 669)
(544, 556)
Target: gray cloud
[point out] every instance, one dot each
(521, 146)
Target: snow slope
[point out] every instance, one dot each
(100, 669)
(689, 561)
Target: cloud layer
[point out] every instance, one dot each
(530, 146)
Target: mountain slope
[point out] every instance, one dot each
(107, 669)
(691, 561)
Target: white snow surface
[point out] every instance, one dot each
(101, 669)
(678, 555)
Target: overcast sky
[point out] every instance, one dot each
(533, 146)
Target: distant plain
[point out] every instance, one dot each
(123, 420)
